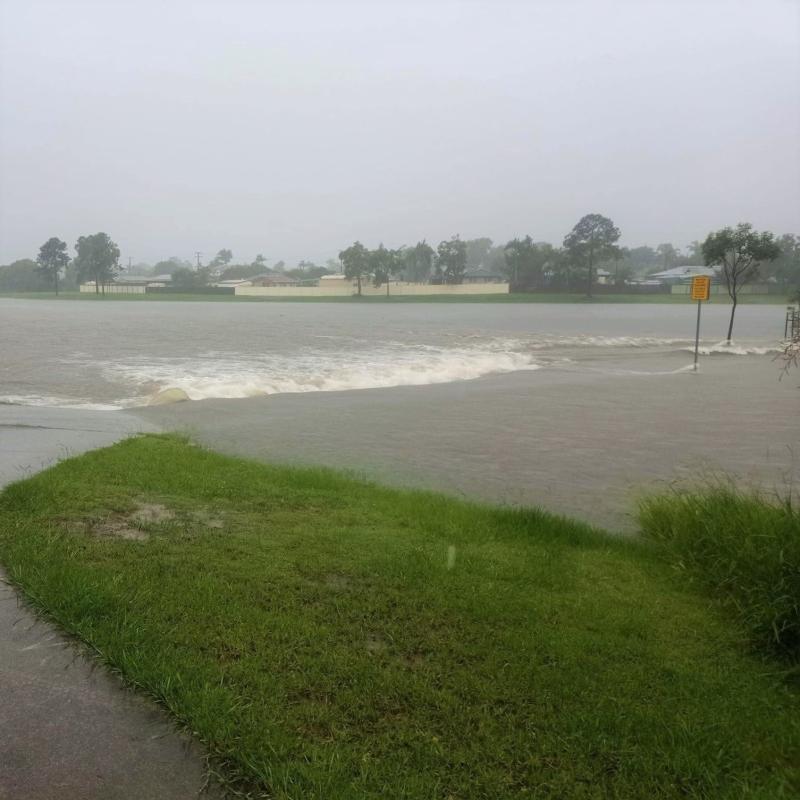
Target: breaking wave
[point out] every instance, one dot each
(338, 363)
(214, 376)
(732, 349)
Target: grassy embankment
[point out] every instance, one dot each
(542, 297)
(331, 639)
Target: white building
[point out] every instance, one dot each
(682, 274)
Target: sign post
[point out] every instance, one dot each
(701, 291)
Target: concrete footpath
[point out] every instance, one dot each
(67, 728)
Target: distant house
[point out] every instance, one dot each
(263, 279)
(483, 275)
(144, 280)
(274, 279)
(232, 283)
(601, 276)
(129, 284)
(681, 275)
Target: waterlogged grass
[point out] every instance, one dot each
(529, 297)
(744, 550)
(331, 639)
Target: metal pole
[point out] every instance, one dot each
(697, 335)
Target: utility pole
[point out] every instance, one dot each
(197, 255)
(129, 264)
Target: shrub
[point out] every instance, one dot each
(743, 549)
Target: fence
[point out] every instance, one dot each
(196, 290)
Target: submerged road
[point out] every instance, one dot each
(68, 729)
(583, 441)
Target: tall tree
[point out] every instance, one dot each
(694, 253)
(97, 259)
(785, 269)
(739, 252)
(52, 259)
(169, 266)
(221, 259)
(517, 252)
(189, 279)
(451, 260)
(640, 260)
(260, 262)
(478, 252)
(419, 261)
(592, 239)
(384, 264)
(669, 255)
(309, 271)
(622, 268)
(355, 260)
(526, 262)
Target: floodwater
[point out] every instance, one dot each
(577, 409)
(117, 354)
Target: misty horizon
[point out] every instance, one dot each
(292, 131)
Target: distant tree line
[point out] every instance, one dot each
(529, 265)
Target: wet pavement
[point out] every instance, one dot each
(68, 729)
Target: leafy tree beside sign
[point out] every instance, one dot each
(739, 252)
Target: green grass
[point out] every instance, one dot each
(744, 550)
(329, 639)
(541, 297)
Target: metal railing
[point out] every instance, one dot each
(791, 327)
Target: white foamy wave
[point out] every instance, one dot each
(236, 377)
(732, 349)
(542, 341)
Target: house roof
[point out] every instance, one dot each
(683, 272)
(139, 279)
(278, 277)
(481, 272)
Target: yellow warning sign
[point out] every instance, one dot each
(701, 287)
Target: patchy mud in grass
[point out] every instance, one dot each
(147, 517)
(120, 529)
(152, 514)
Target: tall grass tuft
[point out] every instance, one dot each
(742, 548)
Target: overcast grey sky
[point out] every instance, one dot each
(291, 129)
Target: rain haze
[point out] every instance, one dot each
(292, 129)
(420, 382)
